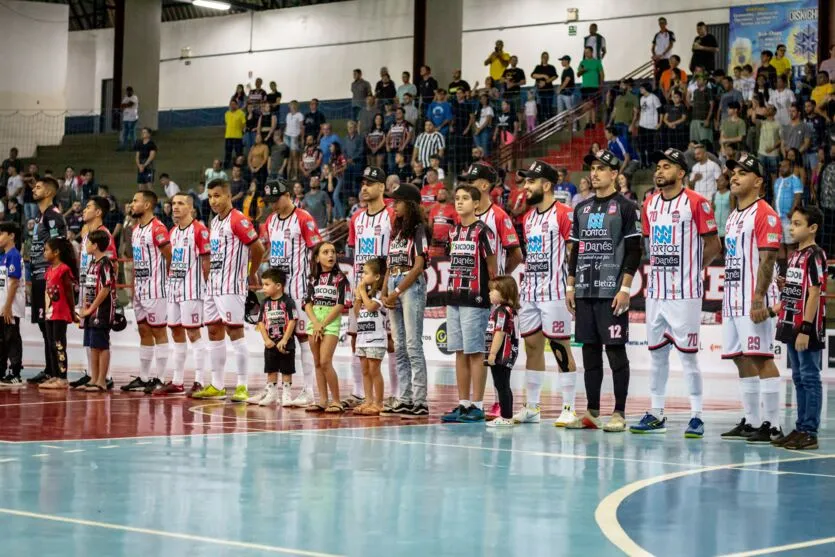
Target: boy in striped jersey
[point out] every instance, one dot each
(187, 276)
(752, 238)
(236, 253)
(681, 230)
(544, 313)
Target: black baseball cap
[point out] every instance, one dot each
(747, 162)
(479, 171)
(405, 192)
(606, 157)
(673, 155)
(374, 174)
(540, 169)
(275, 189)
(566, 57)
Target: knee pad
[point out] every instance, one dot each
(618, 359)
(561, 354)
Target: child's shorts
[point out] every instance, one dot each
(372, 353)
(279, 362)
(321, 312)
(97, 339)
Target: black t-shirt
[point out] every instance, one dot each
(548, 70)
(469, 248)
(458, 84)
(426, 89)
(505, 120)
(516, 75)
(405, 173)
(502, 319)
(385, 91)
(770, 73)
(100, 274)
(49, 224)
(274, 98)
(461, 112)
(313, 123)
(276, 316)
(674, 112)
(252, 122)
(703, 58)
(144, 150)
(806, 268)
(74, 223)
(569, 74)
(328, 289)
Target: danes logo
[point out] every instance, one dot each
(730, 246)
(596, 220)
(662, 234)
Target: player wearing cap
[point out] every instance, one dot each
(752, 238)
(546, 227)
(369, 234)
(681, 230)
(151, 260)
(187, 274)
(235, 247)
(606, 234)
(289, 234)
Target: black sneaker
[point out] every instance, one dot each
(39, 378)
(136, 385)
(402, 409)
(742, 430)
(152, 385)
(419, 410)
(80, 382)
(110, 384)
(11, 381)
(765, 434)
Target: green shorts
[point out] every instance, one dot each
(321, 312)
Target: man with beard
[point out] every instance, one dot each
(682, 236)
(546, 227)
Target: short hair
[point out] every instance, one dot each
(407, 74)
(314, 100)
(676, 57)
(729, 78)
(217, 183)
(701, 24)
(51, 182)
(814, 104)
(100, 239)
(10, 227)
(767, 52)
(149, 196)
(737, 68)
(101, 202)
(812, 214)
(735, 105)
(662, 18)
(164, 175)
(357, 70)
(612, 130)
(796, 105)
(779, 46)
(186, 195)
(428, 68)
(102, 187)
(748, 68)
(475, 193)
(276, 275)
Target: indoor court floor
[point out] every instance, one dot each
(125, 475)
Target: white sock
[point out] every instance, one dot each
(465, 403)
(241, 360)
(533, 387)
(568, 386)
(358, 389)
(217, 357)
(693, 375)
(479, 404)
(394, 383)
(146, 357)
(161, 354)
(308, 367)
(660, 361)
(770, 390)
(750, 387)
(180, 353)
(199, 347)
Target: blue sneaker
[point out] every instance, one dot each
(695, 429)
(473, 415)
(454, 416)
(650, 424)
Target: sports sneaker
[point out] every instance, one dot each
(528, 415)
(256, 398)
(765, 434)
(169, 389)
(286, 397)
(782, 441)
(241, 394)
(210, 392)
(304, 399)
(396, 408)
(136, 385)
(270, 395)
(474, 414)
(650, 424)
(454, 416)
(352, 402)
(566, 416)
(695, 428)
(501, 423)
(742, 430)
(152, 385)
(11, 381)
(39, 378)
(389, 401)
(419, 410)
(109, 384)
(616, 424)
(195, 388)
(494, 412)
(80, 382)
(803, 442)
(586, 421)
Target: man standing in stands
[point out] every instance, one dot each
(427, 85)
(662, 45)
(704, 49)
(146, 153)
(49, 224)
(130, 115)
(360, 89)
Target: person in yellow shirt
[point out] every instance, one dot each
(235, 123)
(498, 61)
(782, 64)
(823, 89)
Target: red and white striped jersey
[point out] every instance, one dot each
(150, 273)
(185, 278)
(546, 266)
(230, 238)
(748, 231)
(85, 259)
(288, 242)
(504, 235)
(675, 228)
(370, 236)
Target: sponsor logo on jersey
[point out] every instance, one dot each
(730, 247)
(676, 217)
(596, 221)
(772, 220)
(773, 238)
(662, 234)
(706, 207)
(613, 208)
(794, 276)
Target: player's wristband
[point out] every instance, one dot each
(626, 289)
(569, 288)
(806, 328)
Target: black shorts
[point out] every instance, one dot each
(279, 362)
(588, 92)
(596, 323)
(146, 177)
(98, 339)
(38, 300)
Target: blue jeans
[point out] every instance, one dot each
(564, 102)
(128, 135)
(31, 211)
(465, 329)
(407, 331)
(806, 375)
(249, 139)
(482, 139)
(338, 203)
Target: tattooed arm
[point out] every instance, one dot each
(765, 274)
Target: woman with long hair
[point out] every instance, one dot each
(336, 179)
(375, 140)
(483, 124)
(240, 96)
(583, 191)
(625, 187)
(61, 285)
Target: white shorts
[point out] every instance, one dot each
(676, 321)
(153, 312)
(301, 324)
(787, 233)
(227, 309)
(352, 322)
(552, 318)
(742, 337)
(187, 314)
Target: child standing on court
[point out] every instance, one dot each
(61, 282)
(503, 343)
(277, 325)
(372, 338)
(12, 306)
(98, 307)
(800, 325)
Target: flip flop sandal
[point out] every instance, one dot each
(315, 409)
(335, 408)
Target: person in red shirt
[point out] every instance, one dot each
(442, 220)
(429, 192)
(61, 281)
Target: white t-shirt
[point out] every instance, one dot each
(662, 42)
(485, 112)
(781, 100)
(171, 189)
(649, 112)
(530, 108)
(710, 172)
(371, 327)
(294, 124)
(14, 187)
(131, 113)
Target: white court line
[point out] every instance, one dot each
(74, 451)
(162, 533)
(2, 460)
(40, 455)
(109, 447)
(787, 473)
(780, 548)
(606, 514)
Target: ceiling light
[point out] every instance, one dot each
(211, 4)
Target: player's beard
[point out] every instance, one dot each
(137, 215)
(535, 198)
(664, 183)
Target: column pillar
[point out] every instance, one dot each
(137, 54)
(438, 28)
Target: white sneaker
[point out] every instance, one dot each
(566, 416)
(501, 423)
(528, 415)
(305, 398)
(286, 399)
(257, 397)
(270, 396)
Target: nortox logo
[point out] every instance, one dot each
(596, 220)
(662, 234)
(730, 247)
(534, 244)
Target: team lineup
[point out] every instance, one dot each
(578, 268)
